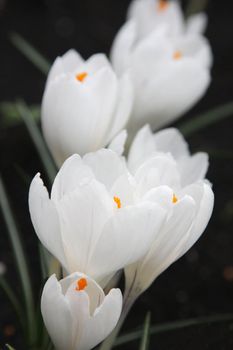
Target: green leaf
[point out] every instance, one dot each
(144, 345)
(9, 347)
(206, 119)
(30, 52)
(171, 326)
(33, 129)
(10, 115)
(20, 261)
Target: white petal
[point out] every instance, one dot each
(73, 173)
(142, 147)
(96, 62)
(204, 198)
(56, 314)
(64, 64)
(45, 219)
(195, 46)
(157, 171)
(193, 168)
(123, 106)
(170, 95)
(166, 246)
(126, 237)
(64, 104)
(103, 321)
(83, 215)
(106, 165)
(122, 47)
(196, 24)
(145, 144)
(118, 143)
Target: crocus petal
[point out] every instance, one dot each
(137, 225)
(73, 173)
(156, 171)
(193, 168)
(96, 97)
(167, 97)
(204, 198)
(45, 219)
(166, 246)
(64, 64)
(122, 46)
(103, 321)
(196, 24)
(145, 144)
(106, 165)
(57, 314)
(118, 143)
(148, 16)
(82, 217)
(123, 107)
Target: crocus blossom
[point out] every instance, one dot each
(169, 61)
(95, 221)
(181, 189)
(84, 105)
(76, 312)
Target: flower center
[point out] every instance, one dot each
(174, 199)
(162, 5)
(81, 76)
(177, 55)
(81, 284)
(118, 202)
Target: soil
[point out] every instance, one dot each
(200, 283)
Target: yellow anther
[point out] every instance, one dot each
(81, 76)
(174, 199)
(118, 202)
(81, 284)
(177, 55)
(162, 5)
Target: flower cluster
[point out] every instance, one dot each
(108, 212)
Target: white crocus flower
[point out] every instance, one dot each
(151, 14)
(183, 191)
(169, 63)
(84, 105)
(94, 222)
(76, 312)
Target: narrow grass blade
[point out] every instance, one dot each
(9, 347)
(172, 326)
(20, 261)
(30, 52)
(37, 139)
(210, 117)
(144, 345)
(13, 299)
(10, 115)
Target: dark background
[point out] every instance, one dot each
(199, 284)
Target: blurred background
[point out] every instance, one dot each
(201, 283)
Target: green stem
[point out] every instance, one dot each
(206, 119)
(172, 326)
(37, 139)
(20, 262)
(30, 52)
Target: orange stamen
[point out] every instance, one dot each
(81, 76)
(81, 284)
(118, 202)
(174, 199)
(177, 55)
(162, 5)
